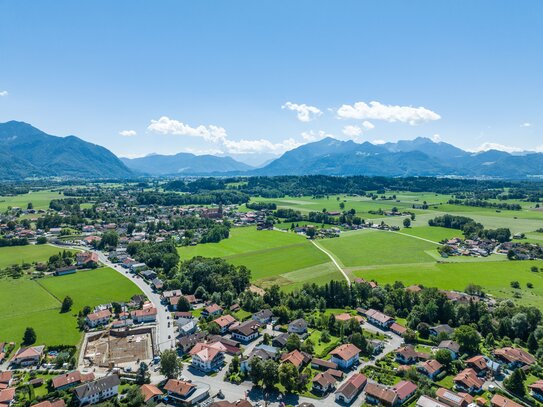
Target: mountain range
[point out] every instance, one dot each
(28, 152)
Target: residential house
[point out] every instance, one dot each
(468, 381)
(379, 319)
(430, 368)
(147, 314)
(262, 352)
(514, 357)
(404, 390)
(151, 393)
(263, 316)
(70, 379)
(148, 274)
(28, 356)
(501, 401)
(322, 364)
(345, 356)
(323, 382)
(425, 401)
(187, 326)
(208, 357)
(98, 390)
(298, 326)
(443, 328)
(280, 340)
(7, 396)
(451, 346)
(296, 358)
(478, 364)
(407, 355)
(536, 390)
(232, 347)
(398, 329)
(186, 343)
(224, 322)
(86, 259)
(382, 395)
(350, 390)
(212, 310)
(246, 332)
(452, 399)
(376, 346)
(98, 318)
(6, 379)
(184, 393)
(48, 403)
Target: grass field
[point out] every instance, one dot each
(26, 254)
(36, 303)
(370, 248)
(39, 199)
(495, 277)
(287, 259)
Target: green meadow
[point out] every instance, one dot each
(26, 254)
(284, 258)
(39, 199)
(36, 303)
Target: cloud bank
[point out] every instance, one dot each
(390, 113)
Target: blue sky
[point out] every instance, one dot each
(217, 76)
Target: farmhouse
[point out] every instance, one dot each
(86, 259)
(97, 390)
(349, 390)
(212, 310)
(345, 356)
(28, 356)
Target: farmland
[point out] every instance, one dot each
(39, 199)
(273, 257)
(36, 303)
(26, 254)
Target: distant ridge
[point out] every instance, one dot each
(184, 164)
(26, 151)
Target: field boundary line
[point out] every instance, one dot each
(416, 237)
(333, 261)
(48, 292)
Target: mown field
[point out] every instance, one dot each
(283, 258)
(36, 303)
(26, 254)
(39, 199)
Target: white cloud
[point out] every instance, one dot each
(526, 124)
(497, 146)
(217, 135)
(436, 138)
(305, 113)
(128, 133)
(3, 93)
(390, 113)
(368, 125)
(165, 125)
(352, 131)
(260, 146)
(378, 142)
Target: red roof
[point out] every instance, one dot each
(149, 391)
(179, 387)
(346, 351)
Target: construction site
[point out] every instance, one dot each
(118, 348)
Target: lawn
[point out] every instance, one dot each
(494, 277)
(371, 248)
(434, 233)
(273, 257)
(39, 199)
(36, 303)
(28, 254)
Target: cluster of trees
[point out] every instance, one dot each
(485, 204)
(61, 259)
(225, 197)
(207, 276)
(470, 228)
(5, 242)
(162, 255)
(260, 206)
(216, 233)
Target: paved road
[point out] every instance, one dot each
(165, 335)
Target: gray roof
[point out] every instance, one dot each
(97, 386)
